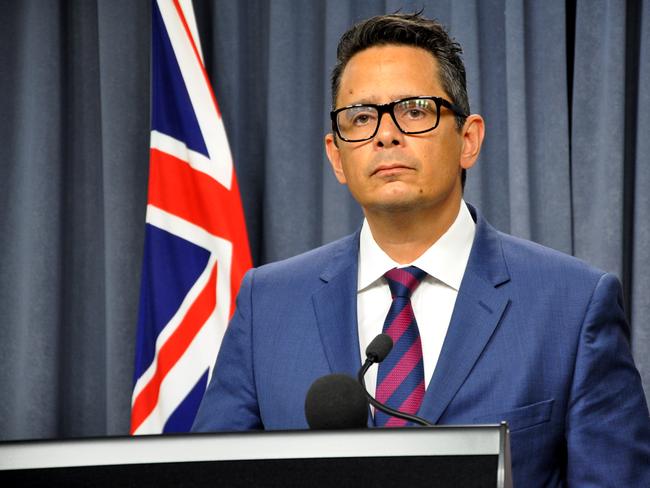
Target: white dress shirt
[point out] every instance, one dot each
(434, 299)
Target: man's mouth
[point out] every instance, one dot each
(390, 169)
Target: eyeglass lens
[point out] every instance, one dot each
(412, 115)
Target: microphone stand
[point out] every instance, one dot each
(385, 408)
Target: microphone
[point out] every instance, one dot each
(379, 348)
(336, 401)
(376, 352)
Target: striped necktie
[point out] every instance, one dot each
(400, 379)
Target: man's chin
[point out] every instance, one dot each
(396, 204)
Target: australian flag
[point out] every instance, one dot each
(196, 245)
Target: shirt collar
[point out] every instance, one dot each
(445, 260)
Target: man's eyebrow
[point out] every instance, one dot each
(373, 99)
(362, 101)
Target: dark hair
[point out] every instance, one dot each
(410, 30)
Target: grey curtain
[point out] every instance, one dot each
(564, 86)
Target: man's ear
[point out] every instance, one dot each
(473, 133)
(334, 155)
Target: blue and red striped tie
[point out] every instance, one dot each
(400, 379)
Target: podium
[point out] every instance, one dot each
(441, 456)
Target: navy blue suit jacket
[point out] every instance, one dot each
(537, 338)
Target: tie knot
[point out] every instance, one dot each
(404, 281)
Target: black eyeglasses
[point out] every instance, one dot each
(413, 115)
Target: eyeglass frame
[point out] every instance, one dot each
(389, 108)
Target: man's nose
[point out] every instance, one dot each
(388, 134)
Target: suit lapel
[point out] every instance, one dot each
(335, 306)
(480, 304)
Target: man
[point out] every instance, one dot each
(509, 330)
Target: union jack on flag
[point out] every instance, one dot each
(196, 245)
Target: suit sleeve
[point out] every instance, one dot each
(607, 424)
(230, 401)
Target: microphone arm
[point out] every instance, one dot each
(385, 408)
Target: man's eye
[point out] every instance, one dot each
(362, 119)
(415, 113)
(415, 110)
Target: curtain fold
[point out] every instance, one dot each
(597, 152)
(562, 84)
(639, 293)
(74, 168)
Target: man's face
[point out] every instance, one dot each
(394, 171)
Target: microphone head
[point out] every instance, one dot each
(336, 401)
(379, 348)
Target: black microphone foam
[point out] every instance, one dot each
(336, 401)
(379, 348)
